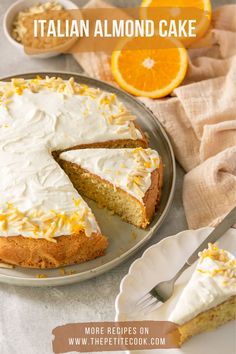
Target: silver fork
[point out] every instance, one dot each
(164, 290)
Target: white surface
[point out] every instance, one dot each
(28, 315)
(161, 262)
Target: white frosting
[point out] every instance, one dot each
(32, 126)
(208, 287)
(121, 167)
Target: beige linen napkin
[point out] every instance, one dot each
(199, 117)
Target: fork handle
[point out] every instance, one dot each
(182, 269)
(223, 226)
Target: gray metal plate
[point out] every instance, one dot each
(124, 239)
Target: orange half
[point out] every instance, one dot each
(203, 5)
(150, 73)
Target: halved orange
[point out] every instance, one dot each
(203, 16)
(150, 73)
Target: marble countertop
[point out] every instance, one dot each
(28, 315)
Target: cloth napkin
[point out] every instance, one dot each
(199, 117)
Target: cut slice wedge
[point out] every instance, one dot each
(150, 73)
(126, 181)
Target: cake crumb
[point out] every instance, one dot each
(134, 235)
(41, 276)
(7, 266)
(63, 272)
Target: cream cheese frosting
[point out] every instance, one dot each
(38, 117)
(212, 283)
(128, 169)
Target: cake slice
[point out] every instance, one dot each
(126, 181)
(209, 298)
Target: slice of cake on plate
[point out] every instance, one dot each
(209, 299)
(126, 181)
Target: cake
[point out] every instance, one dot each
(126, 181)
(44, 222)
(209, 299)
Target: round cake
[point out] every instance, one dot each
(44, 221)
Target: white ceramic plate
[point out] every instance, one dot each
(160, 262)
(124, 239)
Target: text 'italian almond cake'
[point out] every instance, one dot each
(48, 125)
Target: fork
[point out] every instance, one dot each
(164, 290)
